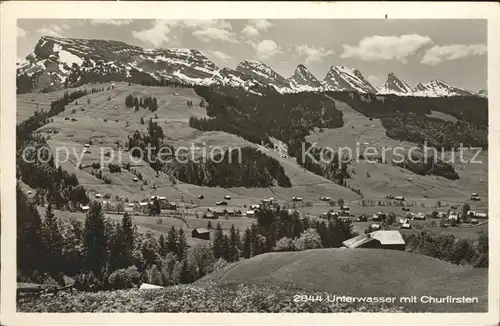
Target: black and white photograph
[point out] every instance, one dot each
(250, 165)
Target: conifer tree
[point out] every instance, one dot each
(172, 241)
(218, 243)
(182, 246)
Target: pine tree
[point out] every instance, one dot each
(209, 225)
(52, 242)
(95, 238)
(232, 246)
(226, 248)
(247, 244)
(29, 240)
(172, 241)
(186, 275)
(218, 244)
(182, 245)
(163, 245)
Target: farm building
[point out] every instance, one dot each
(379, 216)
(201, 233)
(406, 226)
(384, 239)
(389, 239)
(85, 208)
(419, 216)
(400, 198)
(210, 215)
(146, 286)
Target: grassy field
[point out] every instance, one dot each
(377, 180)
(105, 121)
(363, 272)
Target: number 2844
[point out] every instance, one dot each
(306, 298)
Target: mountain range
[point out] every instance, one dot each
(57, 62)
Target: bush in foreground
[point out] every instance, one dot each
(182, 298)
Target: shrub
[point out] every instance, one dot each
(285, 244)
(114, 168)
(124, 278)
(96, 165)
(309, 239)
(87, 281)
(106, 180)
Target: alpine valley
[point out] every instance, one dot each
(232, 190)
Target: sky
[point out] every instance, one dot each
(415, 50)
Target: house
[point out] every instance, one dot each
(400, 198)
(297, 199)
(227, 197)
(379, 216)
(344, 208)
(405, 226)
(419, 216)
(201, 233)
(98, 196)
(255, 206)
(403, 221)
(250, 213)
(85, 208)
(210, 216)
(135, 179)
(375, 226)
(361, 241)
(146, 286)
(86, 145)
(389, 239)
(480, 215)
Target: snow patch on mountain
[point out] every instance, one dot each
(342, 78)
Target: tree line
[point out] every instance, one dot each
(147, 102)
(252, 169)
(51, 183)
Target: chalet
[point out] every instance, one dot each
(419, 216)
(135, 179)
(84, 208)
(250, 213)
(405, 226)
(221, 203)
(227, 197)
(201, 233)
(297, 199)
(379, 216)
(86, 145)
(385, 239)
(481, 215)
(403, 221)
(375, 226)
(389, 239)
(210, 216)
(201, 197)
(98, 196)
(146, 286)
(255, 206)
(399, 198)
(344, 208)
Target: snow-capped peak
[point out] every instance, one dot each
(439, 88)
(395, 85)
(340, 78)
(303, 80)
(264, 74)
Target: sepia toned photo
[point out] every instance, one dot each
(250, 165)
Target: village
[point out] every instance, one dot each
(378, 226)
